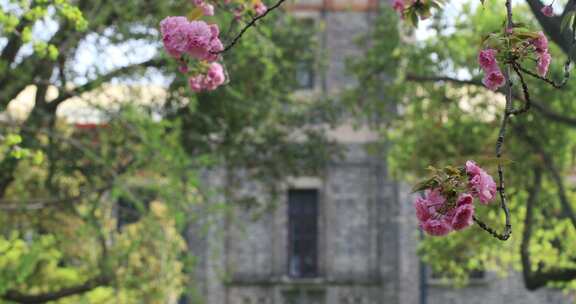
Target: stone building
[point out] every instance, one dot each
(345, 237)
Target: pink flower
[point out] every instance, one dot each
(199, 38)
(547, 11)
(435, 198)
(196, 38)
(183, 69)
(175, 31)
(464, 199)
(436, 227)
(215, 47)
(438, 224)
(487, 59)
(213, 78)
(260, 8)
(431, 221)
(207, 9)
(543, 63)
(214, 30)
(472, 169)
(481, 183)
(484, 187)
(541, 43)
(422, 209)
(398, 5)
(494, 79)
(426, 206)
(196, 83)
(463, 217)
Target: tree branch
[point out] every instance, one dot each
(92, 84)
(537, 105)
(551, 25)
(37, 204)
(16, 296)
(537, 279)
(551, 168)
(249, 25)
(528, 224)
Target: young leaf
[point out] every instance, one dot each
(567, 19)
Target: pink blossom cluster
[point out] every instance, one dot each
(437, 222)
(541, 46)
(207, 8)
(209, 81)
(481, 184)
(437, 217)
(260, 8)
(194, 38)
(493, 77)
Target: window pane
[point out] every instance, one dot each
(303, 233)
(305, 74)
(305, 69)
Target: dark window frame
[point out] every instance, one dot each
(303, 213)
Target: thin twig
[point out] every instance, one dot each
(547, 80)
(508, 111)
(567, 65)
(527, 101)
(249, 25)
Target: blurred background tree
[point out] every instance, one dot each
(94, 212)
(438, 113)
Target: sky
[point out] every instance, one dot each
(452, 9)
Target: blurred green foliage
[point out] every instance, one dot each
(64, 187)
(443, 123)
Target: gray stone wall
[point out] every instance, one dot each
(368, 248)
(493, 289)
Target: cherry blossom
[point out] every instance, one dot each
(260, 8)
(543, 64)
(214, 78)
(481, 183)
(494, 79)
(487, 59)
(541, 43)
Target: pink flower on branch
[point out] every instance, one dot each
(487, 59)
(481, 183)
(494, 79)
(541, 43)
(175, 32)
(436, 227)
(437, 218)
(398, 5)
(260, 8)
(448, 201)
(196, 38)
(463, 217)
(544, 60)
(207, 9)
(213, 78)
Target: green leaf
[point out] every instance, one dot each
(567, 19)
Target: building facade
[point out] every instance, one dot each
(346, 237)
